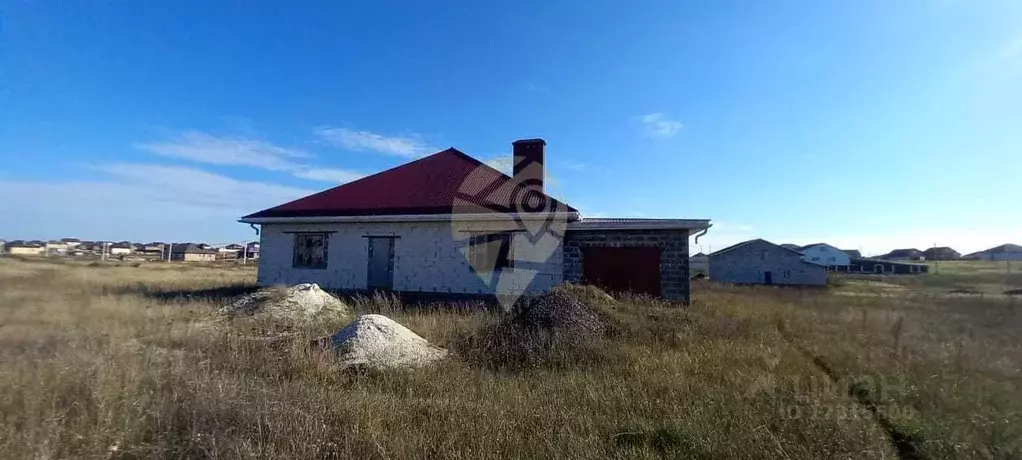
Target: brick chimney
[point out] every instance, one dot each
(529, 159)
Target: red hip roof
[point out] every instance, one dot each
(447, 182)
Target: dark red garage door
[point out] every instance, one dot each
(623, 269)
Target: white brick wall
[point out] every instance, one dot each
(427, 257)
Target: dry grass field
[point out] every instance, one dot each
(127, 362)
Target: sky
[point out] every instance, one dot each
(867, 124)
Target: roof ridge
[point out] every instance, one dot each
(427, 185)
(360, 179)
(743, 243)
(735, 246)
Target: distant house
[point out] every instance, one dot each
(119, 249)
(55, 248)
(826, 255)
(699, 264)
(25, 248)
(886, 267)
(903, 254)
(762, 262)
(153, 249)
(1002, 252)
(941, 253)
(71, 242)
(190, 252)
(853, 253)
(793, 247)
(252, 250)
(230, 251)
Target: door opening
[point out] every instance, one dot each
(381, 263)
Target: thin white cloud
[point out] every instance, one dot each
(537, 88)
(992, 69)
(572, 165)
(204, 148)
(732, 227)
(1007, 59)
(139, 202)
(659, 125)
(364, 141)
(1011, 49)
(329, 175)
(503, 163)
(196, 187)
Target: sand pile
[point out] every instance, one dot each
(378, 342)
(300, 302)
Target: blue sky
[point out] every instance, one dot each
(872, 124)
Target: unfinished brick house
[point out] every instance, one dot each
(448, 223)
(759, 261)
(191, 252)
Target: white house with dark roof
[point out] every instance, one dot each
(71, 242)
(762, 262)
(448, 223)
(23, 248)
(826, 255)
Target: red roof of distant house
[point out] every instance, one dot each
(447, 182)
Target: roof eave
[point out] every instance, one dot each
(639, 224)
(567, 216)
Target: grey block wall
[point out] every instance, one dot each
(673, 245)
(748, 263)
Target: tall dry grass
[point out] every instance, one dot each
(942, 374)
(129, 362)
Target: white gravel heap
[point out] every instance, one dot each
(298, 302)
(378, 342)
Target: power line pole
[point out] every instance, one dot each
(244, 252)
